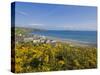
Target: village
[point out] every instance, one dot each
(33, 38)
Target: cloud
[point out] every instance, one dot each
(36, 24)
(77, 27)
(22, 13)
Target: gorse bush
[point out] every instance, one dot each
(39, 57)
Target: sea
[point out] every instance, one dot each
(79, 36)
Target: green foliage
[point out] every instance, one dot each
(20, 31)
(31, 57)
(24, 30)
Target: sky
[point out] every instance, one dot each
(55, 17)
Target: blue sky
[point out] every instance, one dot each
(55, 17)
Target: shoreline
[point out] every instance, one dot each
(67, 41)
(72, 42)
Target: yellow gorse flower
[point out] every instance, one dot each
(61, 62)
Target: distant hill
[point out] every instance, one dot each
(24, 30)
